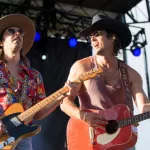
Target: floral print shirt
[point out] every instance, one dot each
(27, 89)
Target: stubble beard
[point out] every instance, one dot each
(16, 48)
(99, 52)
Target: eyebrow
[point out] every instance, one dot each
(101, 30)
(13, 28)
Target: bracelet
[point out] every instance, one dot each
(84, 116)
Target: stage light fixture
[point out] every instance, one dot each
(136, 51)
(37, 37)
(72, 42)
(138, 42)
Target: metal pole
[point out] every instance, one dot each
(144, 52)
(148, 9)
(146, 70)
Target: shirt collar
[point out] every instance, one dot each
(24, 68)
(21, 66)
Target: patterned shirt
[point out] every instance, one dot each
(27, 89)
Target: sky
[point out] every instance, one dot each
(138, 63)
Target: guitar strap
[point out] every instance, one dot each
(124, 76)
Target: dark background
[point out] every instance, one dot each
(54, 70)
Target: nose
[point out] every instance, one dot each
(93, 38)
(17, 33)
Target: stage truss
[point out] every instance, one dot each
(59, 19)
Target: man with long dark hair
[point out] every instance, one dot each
(116, 86)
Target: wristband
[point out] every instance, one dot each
(84, 116)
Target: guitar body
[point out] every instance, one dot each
(15, 117)
(16, 130)
(78, 137)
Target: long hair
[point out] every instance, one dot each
(116, 41)
(1, 48)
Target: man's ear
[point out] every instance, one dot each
(1, 43)
(113, 37)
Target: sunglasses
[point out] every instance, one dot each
(12, 31)
(95, 34)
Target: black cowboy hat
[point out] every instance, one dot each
(109, 24)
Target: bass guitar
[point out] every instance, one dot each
(15, 117)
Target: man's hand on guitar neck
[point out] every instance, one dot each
(2, 128)
(93, 119)
(72, 90)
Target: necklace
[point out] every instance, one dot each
(13, 82)
(109, 75)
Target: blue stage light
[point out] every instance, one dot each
(72, 42)
(136, 52)
(37, 37)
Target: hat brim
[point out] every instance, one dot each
(22, 22)
(115, 26)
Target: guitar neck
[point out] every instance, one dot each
(50, 99)
(134, 119)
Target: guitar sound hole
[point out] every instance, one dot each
(112, 126)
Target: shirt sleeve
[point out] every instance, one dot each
(40, 88)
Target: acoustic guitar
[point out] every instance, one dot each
(120, 133)
(15, 118)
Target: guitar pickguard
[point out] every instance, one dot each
(15, 132)
(105, 138)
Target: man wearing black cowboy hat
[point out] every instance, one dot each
(19, 83)
(105, 91)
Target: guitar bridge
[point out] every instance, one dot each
(5, 143)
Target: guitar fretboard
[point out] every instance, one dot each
(134, 119)
(50, 99)
(54, 97)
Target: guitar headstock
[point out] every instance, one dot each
(90, 74)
